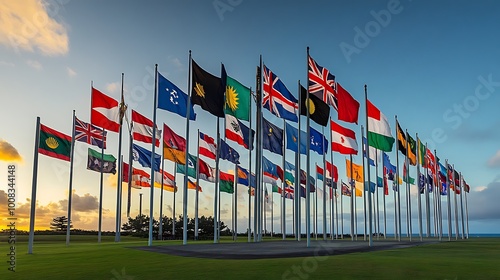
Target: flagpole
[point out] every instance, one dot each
(449, 202)
(332, 173)
(160, 228)
(217, 186)
(99, 230)
(353, 193)
(197, 193)
(410, 231)
(467, 215)
(419, 199)
(364, 184)
(376, 194)
(316, 212)
(297, 190)
(324, 184)
(258, 154)
(153, 145)
(185, 193)
(462, 206)
(397, 184)
(250, 173)
(308, 163)
(70, 191)
(383, 199)
(130, 170)
(341, 212)
(236, 202)
(436, 170)
(33, 187)
(283, 205)
(173, 202)
(122, 109)
(456, 205)
(272, 212)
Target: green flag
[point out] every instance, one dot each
(237, 99)
(95, 160)
(54, 143)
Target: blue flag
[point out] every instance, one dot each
(380, 182)
(387, 164)
(144, 157)
(269, 167)
(372, 187)
(319, 144)
(228, 153)
(272, 137)
(243, 178)
(292, 135)
(370, 160)
(277, 98)
(173, 99)
(289, 166)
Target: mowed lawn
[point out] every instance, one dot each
(476, 258)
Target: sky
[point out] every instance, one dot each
(433, 64)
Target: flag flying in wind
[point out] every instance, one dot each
(105, 111)
(373, 153)
(207, 146)
(348, 106)
(343, 140)
(173, 99)
(228, 153)
(332, 173)
(208, 91)
(96, 160)
(277, 98)
(319, 111)
(226, 183)
(54, 143)
(357, 171)
(421, 150)
(90, 134)
(237, 100)
(412, 152)
(292, 135)
(143, 156)
(244, 177)
(142, 129)
(319, 144)
(405, 142)
(174, 146)
(238, 132)
(205, 172)
(321, 83)
(346, 190)
(270, 171)
(379, 131)
(168, 181)
(140, 178)
(272, 137)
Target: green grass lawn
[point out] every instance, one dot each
(476, 258)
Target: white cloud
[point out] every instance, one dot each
(34, 64)
(27, 26)
(112, 87)
(5, 63)
(495, 160)
(71, 72)
(479, 188)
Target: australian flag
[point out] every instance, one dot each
(277, 98)
(90, 134)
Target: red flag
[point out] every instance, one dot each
(348, 106)
(343, 140)
(140, 178)
(142, 129)
(330, 168)
(172, 140)
(105, 112)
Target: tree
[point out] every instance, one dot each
(60, 224)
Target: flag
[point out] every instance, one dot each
(193, 186)
(343, 140)
(312, 181)
(319, 111)
(372, 187)
(379, 131)
(238, 132)
(421, 153)
(357, 171)
(89, 134)
(237, 100)
(174, 146)
(276, 97)
(173, 99)
(358, 188)
(243, 177)
(387, 163)
(228, 153)
(140, 178)
(332, 172)
(205, 172)
(406, 176)
(96, 160)
(105, 111)
(292, 135)
(168, 181)
(276, 189)
(54, 143)
(319, 173)
(142, 129)
(144, 157)
(348, 107)
(272, 137)
(207, 146)
(321, 83)
(289, 192)
(371, 160)
(226, 183)
(318, 143)
(208, 91)
(270, 171)
(346, 190)
(412, 153)
(401, 139)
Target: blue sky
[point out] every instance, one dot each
(433, 64)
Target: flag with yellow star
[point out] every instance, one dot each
(208, 91)
(319, 111)
(237, 99)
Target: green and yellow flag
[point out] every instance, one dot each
(54, 143)
(237, 100)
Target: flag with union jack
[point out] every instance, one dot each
(277, 98)
(90, 134)
(322, 83)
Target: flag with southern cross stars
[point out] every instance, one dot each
(173, 99)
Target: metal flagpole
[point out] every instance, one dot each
(376, 194)
(427, 198)
(419, 199)
(462, 205)
(235, 201)
(70, 192)
(408, 198)
(355, 212)
(333, 178)
(455, 206)
(297, 190)
(173, 202)
(151, 191)
(364, 186)
(250, 173)
(449, 202)
(341, 213)
(396, 229)
(160, 227)
(315, 202)
(99, 227)
(324, 187)
(337, 214)
(33, 188)
(130, 170)
(353, 194)
(308, 163)
(258, 152)
(122, 109)
(196, 221)
(467, 216)
(185, 186)
(383, 199)
(272, 212)
(283, 183)
(439, 186)
(370, 238)
(397, 184)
